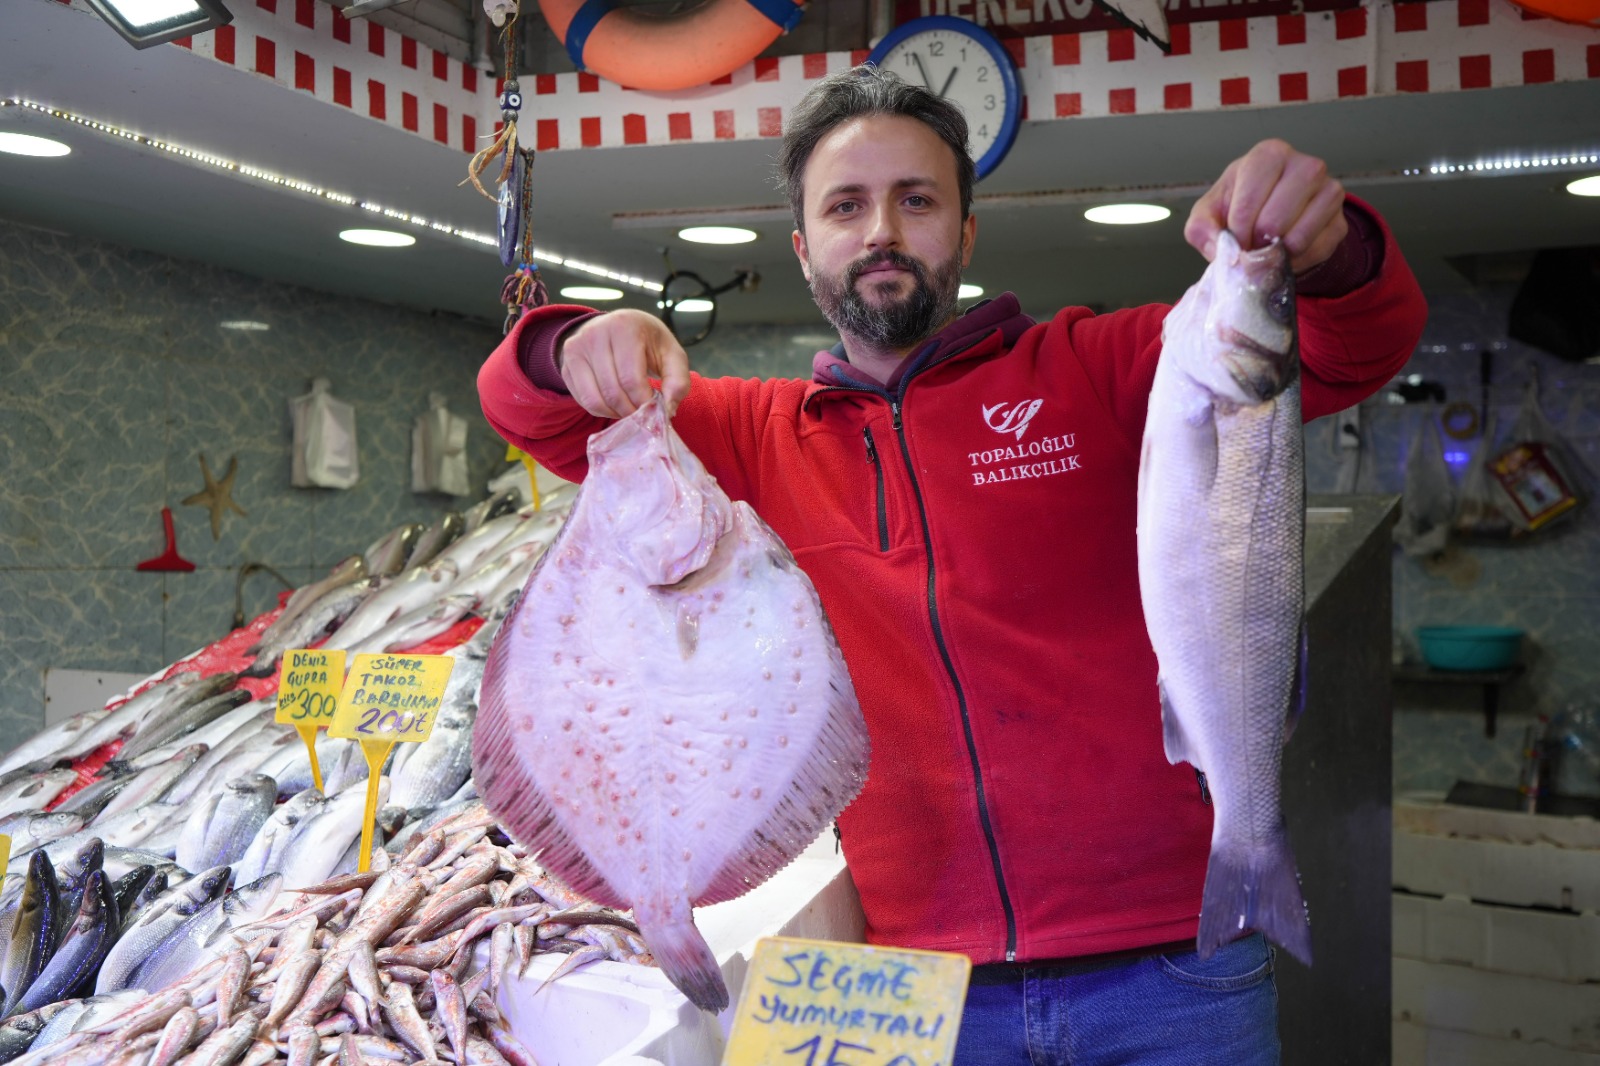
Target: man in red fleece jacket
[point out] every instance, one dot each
(962, 492)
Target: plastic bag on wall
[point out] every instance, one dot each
(1479, 513)
(1533, 475)
(439, 450)
(324, 452)
(1428, 507)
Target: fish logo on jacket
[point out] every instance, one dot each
(1012, 419)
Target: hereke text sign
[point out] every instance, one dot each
(1036, 18)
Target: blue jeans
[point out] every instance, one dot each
(1151, 1011)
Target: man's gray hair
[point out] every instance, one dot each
(861, 91)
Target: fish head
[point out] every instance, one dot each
(1241, 316)
(654, 496)
(207, 885)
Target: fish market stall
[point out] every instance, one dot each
(179, 887)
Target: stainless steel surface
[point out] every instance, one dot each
(1336, 784)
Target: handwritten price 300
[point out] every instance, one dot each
(313, 705)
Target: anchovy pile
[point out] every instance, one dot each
(401, 964)
(207, 812)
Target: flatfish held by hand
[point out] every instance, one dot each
(1221, 574)
(666, 712)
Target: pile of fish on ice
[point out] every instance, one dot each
(120, 887)
(399, 964)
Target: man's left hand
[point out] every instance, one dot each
(1272, 191)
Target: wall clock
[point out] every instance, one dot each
(962, 62)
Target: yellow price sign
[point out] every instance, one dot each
(5, 856)
(391, 697)
(309, 680)
(821, 1003)
(387, 700)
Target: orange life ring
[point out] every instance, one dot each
(672, 52)
(1582, 12)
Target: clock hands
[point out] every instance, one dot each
(947, 82)
(926, 83)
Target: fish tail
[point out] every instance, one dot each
(1254, 888)
(686, 959)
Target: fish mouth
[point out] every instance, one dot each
(1258, 370)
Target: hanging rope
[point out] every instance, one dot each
(505, 140)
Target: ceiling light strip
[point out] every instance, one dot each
(1507, 164)
(543, 256)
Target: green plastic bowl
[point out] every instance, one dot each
(1469, 647)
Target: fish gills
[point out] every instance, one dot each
(1221, 542)
(666, 712)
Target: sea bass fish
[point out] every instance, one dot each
(1221, 542)
(666, 712)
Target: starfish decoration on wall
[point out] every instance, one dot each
(217, 495)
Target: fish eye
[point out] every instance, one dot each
(1280, 304)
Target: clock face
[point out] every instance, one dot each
(961, 68)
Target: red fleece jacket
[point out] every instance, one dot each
(971, 533)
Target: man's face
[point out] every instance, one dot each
(884, 243)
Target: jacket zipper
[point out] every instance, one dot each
(877, 469)
(961, 697)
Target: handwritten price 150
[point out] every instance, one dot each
(812, 1047)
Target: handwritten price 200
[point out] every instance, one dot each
(377, 722)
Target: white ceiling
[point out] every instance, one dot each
(1037, 245)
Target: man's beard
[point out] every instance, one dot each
(901, 322)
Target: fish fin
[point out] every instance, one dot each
(511, 792)
(686, 959)
(1297, 693)
(1254, 888)
(1173, 742)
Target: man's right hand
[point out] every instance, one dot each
(607, 363)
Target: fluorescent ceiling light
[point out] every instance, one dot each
(693, 306)
(591, 292)
(968, 291)
(197, 158)
(1585, 186)
(1126, 214)
(814, 341)
(27, 144)
(718, 234)
(378, 238)
(244, 324)
(143, 23)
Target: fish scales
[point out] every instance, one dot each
(1221, 525)
(666, 711)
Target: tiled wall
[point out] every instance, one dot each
(1548, 585)
(115, 375)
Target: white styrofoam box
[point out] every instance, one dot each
(1524, 875)
(1425, 812)
(66, 692)
(616, 1014)
(1459, 998)
(1415, 1045)
(1535, 943)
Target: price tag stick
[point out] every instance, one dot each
(376, 752)
(308, 733)
(388, 699)
(309, 682)
(5, 857)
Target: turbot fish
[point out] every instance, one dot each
(666, 712)
(1221, 535)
